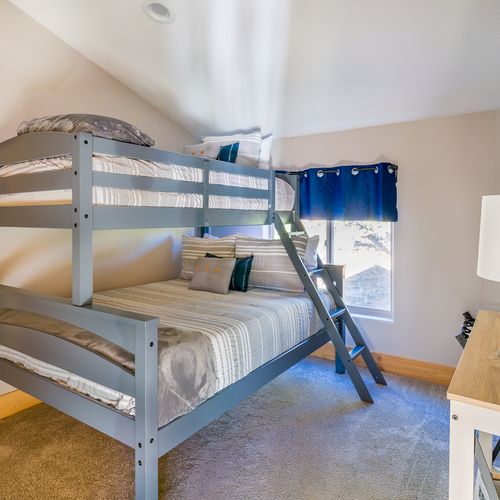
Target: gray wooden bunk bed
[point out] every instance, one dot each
(138, 333)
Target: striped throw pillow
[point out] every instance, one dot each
(248, 149)
(228, 153)
(194, 248)
(271, 266)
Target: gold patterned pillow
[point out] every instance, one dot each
(212, 275)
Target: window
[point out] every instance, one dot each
(365, 248)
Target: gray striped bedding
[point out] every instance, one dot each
(206, 341)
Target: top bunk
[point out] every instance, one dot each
(70, 180)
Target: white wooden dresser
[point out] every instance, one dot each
(474, 395)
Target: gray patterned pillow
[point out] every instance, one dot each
(272, 268)
(100, 126)
(212, 275)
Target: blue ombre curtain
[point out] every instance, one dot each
(364, 192)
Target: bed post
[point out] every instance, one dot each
(146, 410)
(82, 273)
(272, 197)
(296, 187)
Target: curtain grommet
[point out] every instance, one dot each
(354, 171)
(320, 173)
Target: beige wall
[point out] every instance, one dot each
(445, 165)
(40, 75)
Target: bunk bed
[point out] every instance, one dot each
(112, 343)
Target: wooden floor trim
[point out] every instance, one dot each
(420, 370)
(15, 401)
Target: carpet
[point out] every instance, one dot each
(305, 435)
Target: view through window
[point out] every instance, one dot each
(365, 248)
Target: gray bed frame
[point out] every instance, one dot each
(136, 333)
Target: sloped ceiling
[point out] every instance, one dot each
(294, 67)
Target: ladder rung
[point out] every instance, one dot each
(356, 351)
(337, 312)
(318, 270)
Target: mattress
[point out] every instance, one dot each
(206, 341)
(285, 194)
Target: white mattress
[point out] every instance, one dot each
(134, 197)
(121, 402)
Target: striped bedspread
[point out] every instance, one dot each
(206, 341)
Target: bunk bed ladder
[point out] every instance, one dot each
(329, 318)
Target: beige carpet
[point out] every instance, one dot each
(303, 436)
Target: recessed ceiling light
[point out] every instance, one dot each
(158, 11)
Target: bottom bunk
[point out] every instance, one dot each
(206, 342)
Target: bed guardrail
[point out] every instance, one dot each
(82, 179)
(31, 147)
(136, 333)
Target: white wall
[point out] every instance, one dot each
(41, 75)
(445, 166)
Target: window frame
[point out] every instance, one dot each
(365, 312)
(358, 311)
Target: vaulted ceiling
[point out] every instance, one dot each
(294, 67)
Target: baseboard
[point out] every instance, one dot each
(420, 370)
(15, 401)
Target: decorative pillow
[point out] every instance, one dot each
(249, 146)
(204, 150)
(212, 275)
(100, 126)
(241, 272)
(271, 267)
(265, 152)
(311, 257)
(194, 247)
(229, 152)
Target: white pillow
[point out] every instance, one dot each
(311, 256)
(249, 146)
(265, 152)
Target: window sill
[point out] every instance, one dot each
(373, 317)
